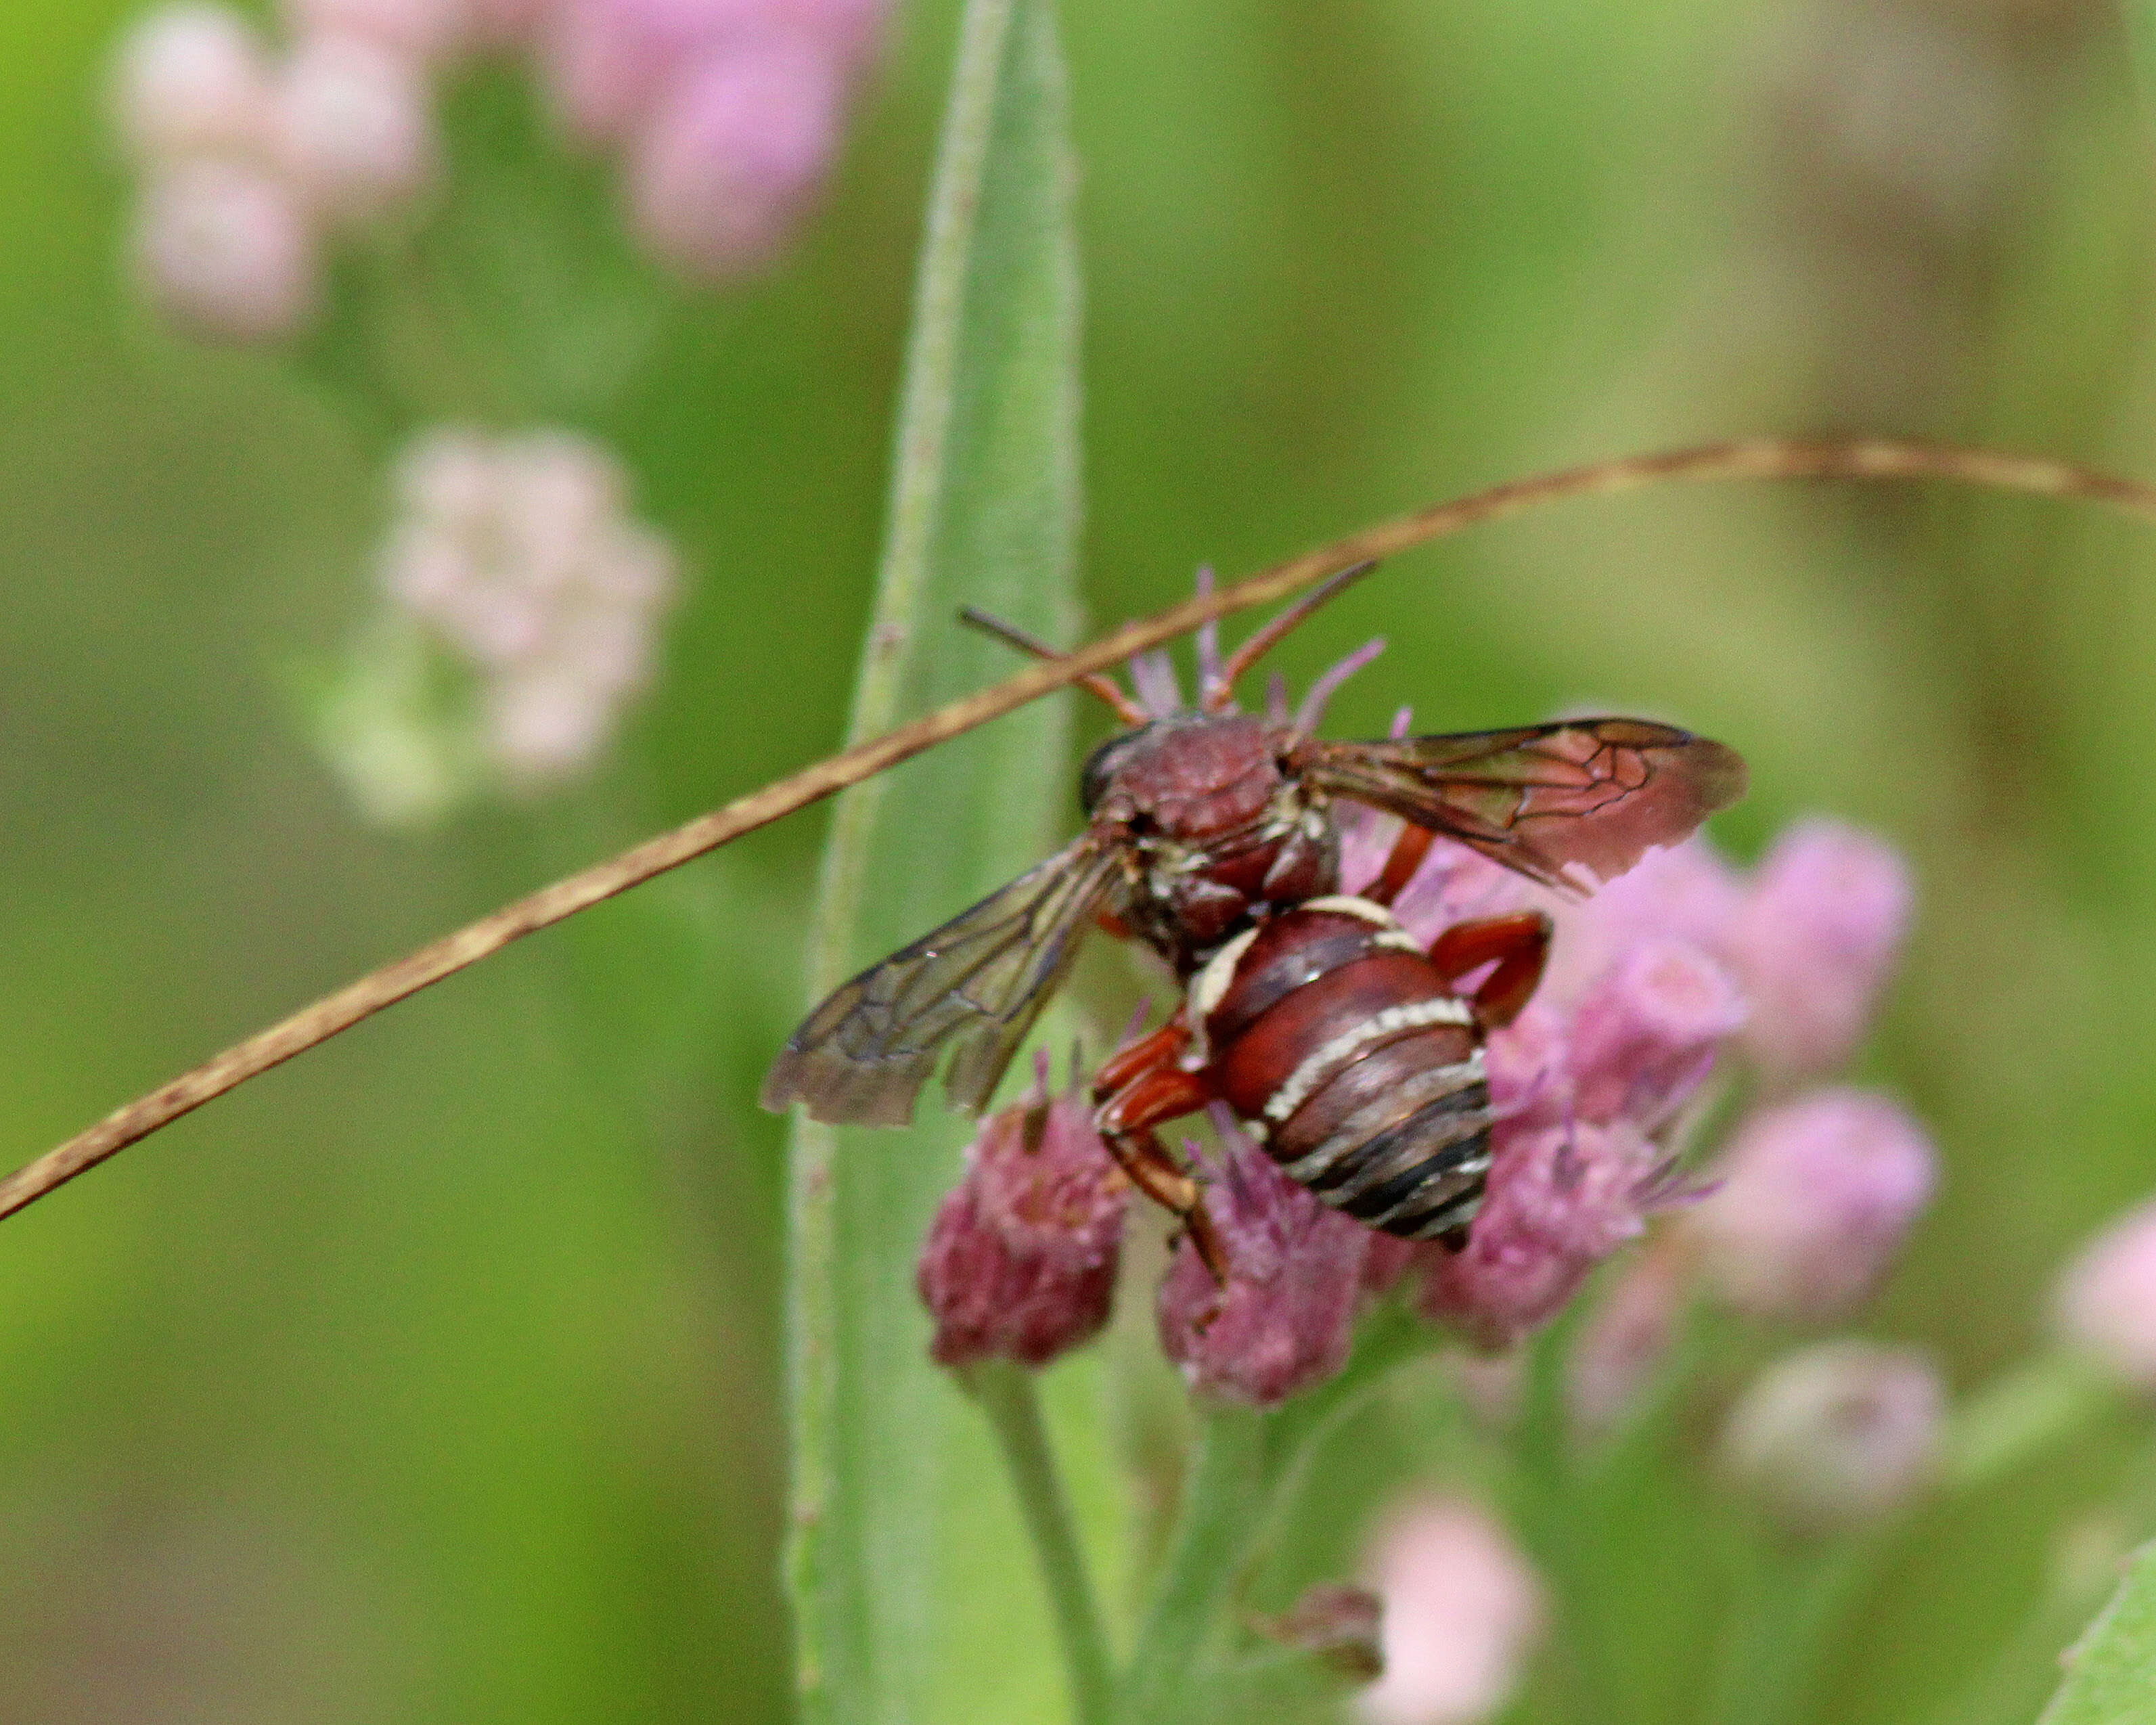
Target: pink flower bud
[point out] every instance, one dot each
(354, 129)
(191, 79)
(2104, 1304)
(1284, 1319)
(730, 158)
(607, 61)
(1529, 1065)
(1021, 1263)
(612, 62)
(224, 249)
(1814, 1199)
(1462, 1609)
(422, 30)
(1836, 1436)
(1814, 942)
(1562, 1198)
(1685, 893)
(1643, 1037)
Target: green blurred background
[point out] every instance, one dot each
(435, 1378)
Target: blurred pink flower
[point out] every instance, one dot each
(422, 30)
(1812, 1201)
(1284, 1321)
(1814, 942)
(520, 555)
(190, 79)
(1837, 1435)
(610, 62)
(1462, 1609)
(730, 111)
(2104, 1304)
(247, 158)
(1581, 1082)
(731, 155)
(353, 127)
(1020, 1262)
(1685, 893)
(224, 249)
(1643, 1036)
(1650, 978)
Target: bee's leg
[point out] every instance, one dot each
(1164, 1047)
(1519, 944)
(1148, 1095)
(1406, 856)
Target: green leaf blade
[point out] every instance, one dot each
(899, 1539)
(2110, 1672)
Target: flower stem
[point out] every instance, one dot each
(1787, 1604)
(1222, 1511)
(1009, 1396)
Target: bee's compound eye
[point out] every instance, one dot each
(1102, 765)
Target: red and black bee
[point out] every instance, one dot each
(1327, 1028)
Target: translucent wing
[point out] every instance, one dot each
(976, 983)
(1544, 800)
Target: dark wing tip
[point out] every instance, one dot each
(1720, 777)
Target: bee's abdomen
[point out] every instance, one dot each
(1336, 1039)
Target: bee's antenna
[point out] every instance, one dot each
(1320, 691)
(1267, 638)
(1093, 682)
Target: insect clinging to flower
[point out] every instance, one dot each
(1345, 1046)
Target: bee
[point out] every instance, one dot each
(1339, 1041)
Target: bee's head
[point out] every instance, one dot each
(1186, 776)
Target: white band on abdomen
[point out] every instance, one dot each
(1303, 1082)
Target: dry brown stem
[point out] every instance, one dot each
(1758, 459)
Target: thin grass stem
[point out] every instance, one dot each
(1222, 1508)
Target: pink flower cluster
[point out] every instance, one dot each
(520, 555)
(1650, 980)
(251, 161)
(728, 113)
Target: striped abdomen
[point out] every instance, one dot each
(1333, 1036)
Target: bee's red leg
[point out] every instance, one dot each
(1406, 856)
(1519, 943)
(1162, 1048)
(1157, 1092)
